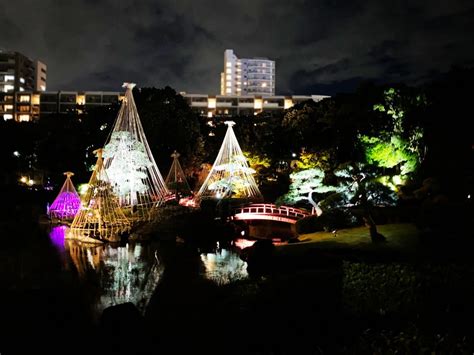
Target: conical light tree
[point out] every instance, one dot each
(176, 179)
(230, 175)
(67, 203)
(100, 216)
(130, 165)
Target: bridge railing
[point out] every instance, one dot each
(271, 209)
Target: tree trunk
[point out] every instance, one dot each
(316, 207)
(375, 236)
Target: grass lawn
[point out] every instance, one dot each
(400, 238)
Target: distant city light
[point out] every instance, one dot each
(24, 179)
(16, 153)
(30, 182)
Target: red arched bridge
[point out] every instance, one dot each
(269, 212)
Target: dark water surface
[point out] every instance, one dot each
(115, 274)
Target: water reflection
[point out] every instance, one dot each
(224, 266)
(118, 274)
(57, 235)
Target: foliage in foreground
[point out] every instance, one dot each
(413, 291)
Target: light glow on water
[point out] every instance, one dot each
(56, 235)
(123, 274)
(224, 266)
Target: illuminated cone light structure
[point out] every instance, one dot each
(230, 176)
(176, 179)
(67, 203)
(130, 165)
(100, 217)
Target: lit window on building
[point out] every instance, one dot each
(7, 116)
(80, 99)
(228, 77)
(22, 89)
(22, 80)
(264, 85)
(42, 87)
(9, 77)
(228, 90)
(211, 102)
(24, 98)
(8, 107)
(8, 88)
(23, 118)
(228, 71)
(228, 64)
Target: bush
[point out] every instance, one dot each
(328, 221)
(409, 290)
(381, 288)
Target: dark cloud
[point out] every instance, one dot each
(320, 46)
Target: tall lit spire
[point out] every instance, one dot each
(230, 175)
(67, 202)
(130, 165)
(100, 216)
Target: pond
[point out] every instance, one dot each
(115, 274)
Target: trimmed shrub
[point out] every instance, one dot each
(328, 221)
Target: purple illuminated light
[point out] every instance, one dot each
(57, 235)
(65, 205)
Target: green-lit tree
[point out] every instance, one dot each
(399, 145)
(358, 185)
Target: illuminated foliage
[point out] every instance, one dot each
(389, 154)
(127, 170)
(398, 146)
(260, 164)
(304, 184)
(311, 160)
(257, 162)
(358, 184)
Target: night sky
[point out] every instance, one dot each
(320, 47)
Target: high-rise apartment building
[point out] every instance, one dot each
(41, 71)
(18, 73)
(247, 76)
